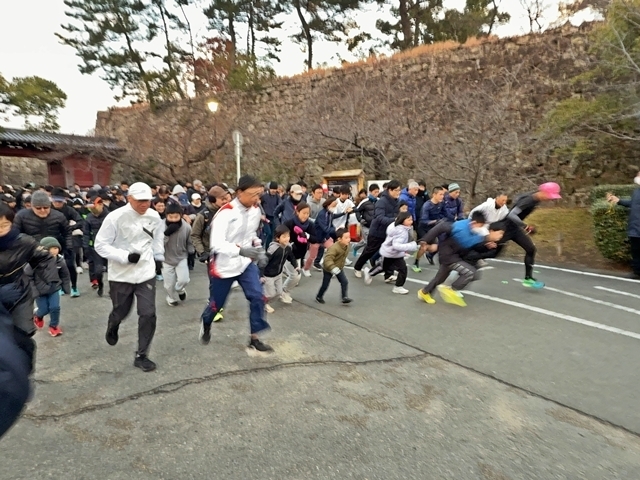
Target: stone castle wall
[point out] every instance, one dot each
(17, 171)
(472, 114)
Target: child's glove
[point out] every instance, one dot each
(297, 230)
(335, 271)
(301, 235)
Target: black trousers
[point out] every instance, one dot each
(70, 260)
(373, 245)
(15, 366)
(96, 265)
(635, 254)
(122, 295)
(390, 265)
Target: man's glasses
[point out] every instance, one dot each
(41, 208)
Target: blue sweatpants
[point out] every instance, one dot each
(249, 281)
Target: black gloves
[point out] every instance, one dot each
(203, 257)
(134, 257)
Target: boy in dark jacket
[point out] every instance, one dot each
(16, 252)
(364, 214)
(278, 253)
(97, 213)
(47, 286)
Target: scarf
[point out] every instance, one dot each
(7, 241)
(172, 227)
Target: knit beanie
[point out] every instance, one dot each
(453, 187)
(273, 186)
(40, 199)
(49, 242)
(173, 207)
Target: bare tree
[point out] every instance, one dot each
(535, 10)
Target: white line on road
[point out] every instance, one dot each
(567, 270)
(588, 299)
(549, 313)
(626, 294)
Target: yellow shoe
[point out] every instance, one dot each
(426, 297)
(449, 295)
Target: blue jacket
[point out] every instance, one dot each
(324, 225)
(633, 204)
(269, 203)
(453, 208)
(466, 238)
(410, 200)
(431, 212)
(285, 211)
(384, 213)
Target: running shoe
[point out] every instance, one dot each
(182, 295)
(79, 270)
(532, 283)
(268, 308)
(100, 289)
(367, 277)
(317, 267)
(416, 268)
(143, 363)
(358, 273)
(400, 290)
(159, 278)
(205, 333)
(306, 273)
(55, 331)
(286, 298)
(94, 284)
(320, 300)
(391, 279)
(219, 315)
(171, 302)
(348, 262)
(257, 348)
(38, 321)
(346, 300)
(75, 293)
(449, 295)
(112, 334)
(426, 297)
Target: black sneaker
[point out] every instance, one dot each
(346, 301)
(429, 258)
(182, 295)
(144, 364)
(320, 300)
(256, 347)
(317, 266)
(100, 289)
(205, 334)
(112, 334)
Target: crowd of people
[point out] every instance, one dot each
(262, 238)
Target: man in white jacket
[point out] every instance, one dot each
(132, 240)
(493, 209)
(234, 247)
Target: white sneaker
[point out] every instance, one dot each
(268, 308)
(79, 270)
(85, 265)
(357, 273)
(367, 277)
(170, 301)
(306, 273)
(286, 298)
(391, 279)
(235, 285)
(481, 263)
(348, 262)
(400, 290)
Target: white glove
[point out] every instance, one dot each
(72, 223)
(335, 271)
(77, 233)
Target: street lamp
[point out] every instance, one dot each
(213, 108)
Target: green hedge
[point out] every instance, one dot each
(599, 192)
(610, 230)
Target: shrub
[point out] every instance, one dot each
(599, 192)
(610, 230)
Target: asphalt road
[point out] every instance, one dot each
(520, 384)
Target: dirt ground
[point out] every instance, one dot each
(565, 237)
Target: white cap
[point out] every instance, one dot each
(140, 191)
(196, 196)
(177, 189)
(295, 188)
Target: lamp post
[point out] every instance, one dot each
(213, 108)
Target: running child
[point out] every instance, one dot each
(334, 261)
(47, 287)
(303, 233)
(393, 250)
(325, 231)
(97, 213)
(279, 253)
(177, 248)
(455, 240)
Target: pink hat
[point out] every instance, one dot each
(552, 189)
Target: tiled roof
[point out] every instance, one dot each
(23, 137)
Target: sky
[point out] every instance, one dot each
(28, 46)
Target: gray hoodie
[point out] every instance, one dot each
(178, 246)
(316, 208)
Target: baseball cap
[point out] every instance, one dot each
(217, 192)
(93, 198)
(295, 188)
(196, 196)
(176, 190)
(140, 191)
(552, 189)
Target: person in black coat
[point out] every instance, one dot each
(75, 221)
(385, 213)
